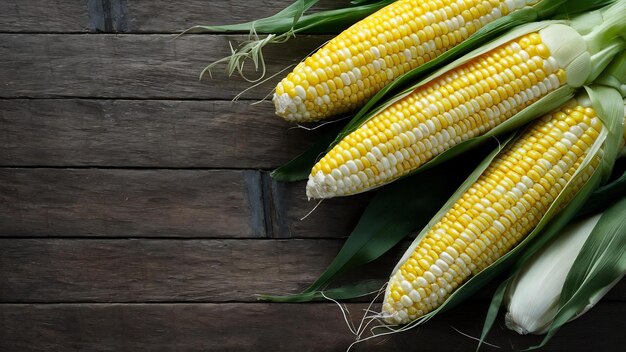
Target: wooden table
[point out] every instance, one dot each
(136, 209)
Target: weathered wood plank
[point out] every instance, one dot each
(168, 17)
(127, 203)
(40, 202)
(64, 270)
(131, 66)
(272, 327)
(335, 217)
(43, 16)
(152, 270)
(153, 16)
(146, 133)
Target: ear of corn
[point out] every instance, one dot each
(548, 269)
(359, 62)
(600, 262)
(463, 101)
(497, 211)
(528, 312)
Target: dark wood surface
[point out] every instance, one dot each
(136, 208)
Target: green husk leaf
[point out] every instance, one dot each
(293, 18)
(600, 262)
(571, 7)
(361, 2)
(612, 78)
(605, 195)
(609, 107)
(280, 28)
(614, 75)
(492, 312)
(386, 221)
(299, 168)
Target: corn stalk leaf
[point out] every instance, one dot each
(293, 18)
(299, 168)
(392, 214)
(607, 194)
(492, 312)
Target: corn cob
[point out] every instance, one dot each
(351, 68)
(496, 212)
(528, 312)
(461, 103)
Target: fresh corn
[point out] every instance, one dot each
(528, 312)
(462, 103)
(497, 211)
(351, 68)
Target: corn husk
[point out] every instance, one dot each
(532, 298)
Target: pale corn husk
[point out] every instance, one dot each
(592, 249)
(533, 296)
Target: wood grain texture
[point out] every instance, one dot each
(41, 202)
(153, 270)
(294, 216)
(43, 16)
(146, 133)
(130, 16)
(132, 66)
(119, 231)
(127, 203)
(270, 327)
(158, 270)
